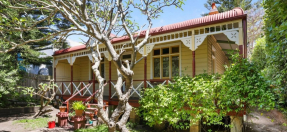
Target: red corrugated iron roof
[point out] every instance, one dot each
(75, 48)
(233, 14)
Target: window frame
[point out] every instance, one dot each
(170, 55)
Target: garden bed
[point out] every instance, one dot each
(18, 110)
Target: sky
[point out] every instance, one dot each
(190, 10)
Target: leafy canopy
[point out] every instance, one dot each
(275, 19)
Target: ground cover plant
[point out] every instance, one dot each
(104, 128)
(32, 124)
(207, 96)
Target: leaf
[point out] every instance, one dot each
(23, 20)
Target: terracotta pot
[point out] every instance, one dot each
(79, 112)
(62, 108)
(72, 118)
(92, 116)
(89, 106)
(96, 112)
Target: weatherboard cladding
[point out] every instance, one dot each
(235, 13)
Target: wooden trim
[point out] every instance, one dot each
(94, 84)
(241, 51)
(72, 90)
(158, 80)
(132, 103)
(193, 63)
(245, 37)
(81, 88)
(110, 78)
(55, 74)
(62, 89)
(145, 72)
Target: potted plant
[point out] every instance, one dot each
(62, 108)
(71, 115)
(79, 107)
(91, 116)
(88, 105)
(96, 112)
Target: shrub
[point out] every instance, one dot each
(207, 96)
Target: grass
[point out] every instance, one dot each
(104, 128)
(100, 128)
(33, 123)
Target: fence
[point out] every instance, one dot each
(33, 80)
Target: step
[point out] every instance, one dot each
(89, 124)
(93, 109)
(88, 113)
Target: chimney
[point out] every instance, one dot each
(213, 9)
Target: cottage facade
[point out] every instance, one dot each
(187, 48)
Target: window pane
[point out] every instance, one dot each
(165, 66)
(156, 67)
(103, 70)
(175, 66)
(156, 52)
(165, 51)
(92, 73)
(175, 49)
(127, 56)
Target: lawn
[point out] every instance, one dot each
(33, 123)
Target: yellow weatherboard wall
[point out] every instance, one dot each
(186, 60)
(201, 58)
(219, 55)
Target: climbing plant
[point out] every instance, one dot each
(207, 96)
(275, 20)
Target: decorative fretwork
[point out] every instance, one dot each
(233, 36)
(198, 40)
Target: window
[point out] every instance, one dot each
(166, 62)
(102, 67)
(126, 57)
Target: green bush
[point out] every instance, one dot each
(207, 96)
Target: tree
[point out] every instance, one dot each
(226, 5)
(96, 19)
(11, 69)
(255, 25)
(275, 20)
(8, 79)
(32, 51)
(259, 56)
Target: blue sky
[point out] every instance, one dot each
(191, 9)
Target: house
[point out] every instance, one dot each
(191, 47)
